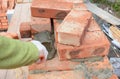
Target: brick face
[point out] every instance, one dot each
(95, 37)
(40, 24)
(3, 21)
(94, 44)
(54, 65)
(71, 30)
(45, 9)
(99, 69)
(93, 26)
(84, 51)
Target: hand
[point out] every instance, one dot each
(9, 35)
(43, 53)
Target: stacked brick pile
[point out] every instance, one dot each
(3, 21)
(82, 48)
(4, 6)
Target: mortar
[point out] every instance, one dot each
(47, 39)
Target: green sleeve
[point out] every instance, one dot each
(15, 53)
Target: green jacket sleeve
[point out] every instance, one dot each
(15, 53)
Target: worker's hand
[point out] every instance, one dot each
(43, 53)
(9, 35)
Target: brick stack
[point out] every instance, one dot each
(82, 47)
(3, 21)
(4, 6)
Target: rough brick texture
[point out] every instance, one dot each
(25, 30)
(95, 38)
(50, 9)
(54, 65)
(3, 21)
(4, 5)
(94, 44)
(40, 24)
(90, 69)
(72, 29)
(93, 26)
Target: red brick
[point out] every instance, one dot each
(40, 24)
(100, 69)
(5, 27)
(70, 52)
(50, 9)
(95, 37)
(72, 29)
(4, 24)
(4, 20)
(2, 14)
(93, 26)
(54, 65)
(94, 44)
(1, 18)
(0, 27)
(25, 30)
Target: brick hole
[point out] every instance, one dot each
(61, 14)
(98, 51)
(74, 54)
(41, 11)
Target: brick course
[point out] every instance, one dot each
(100, 69)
